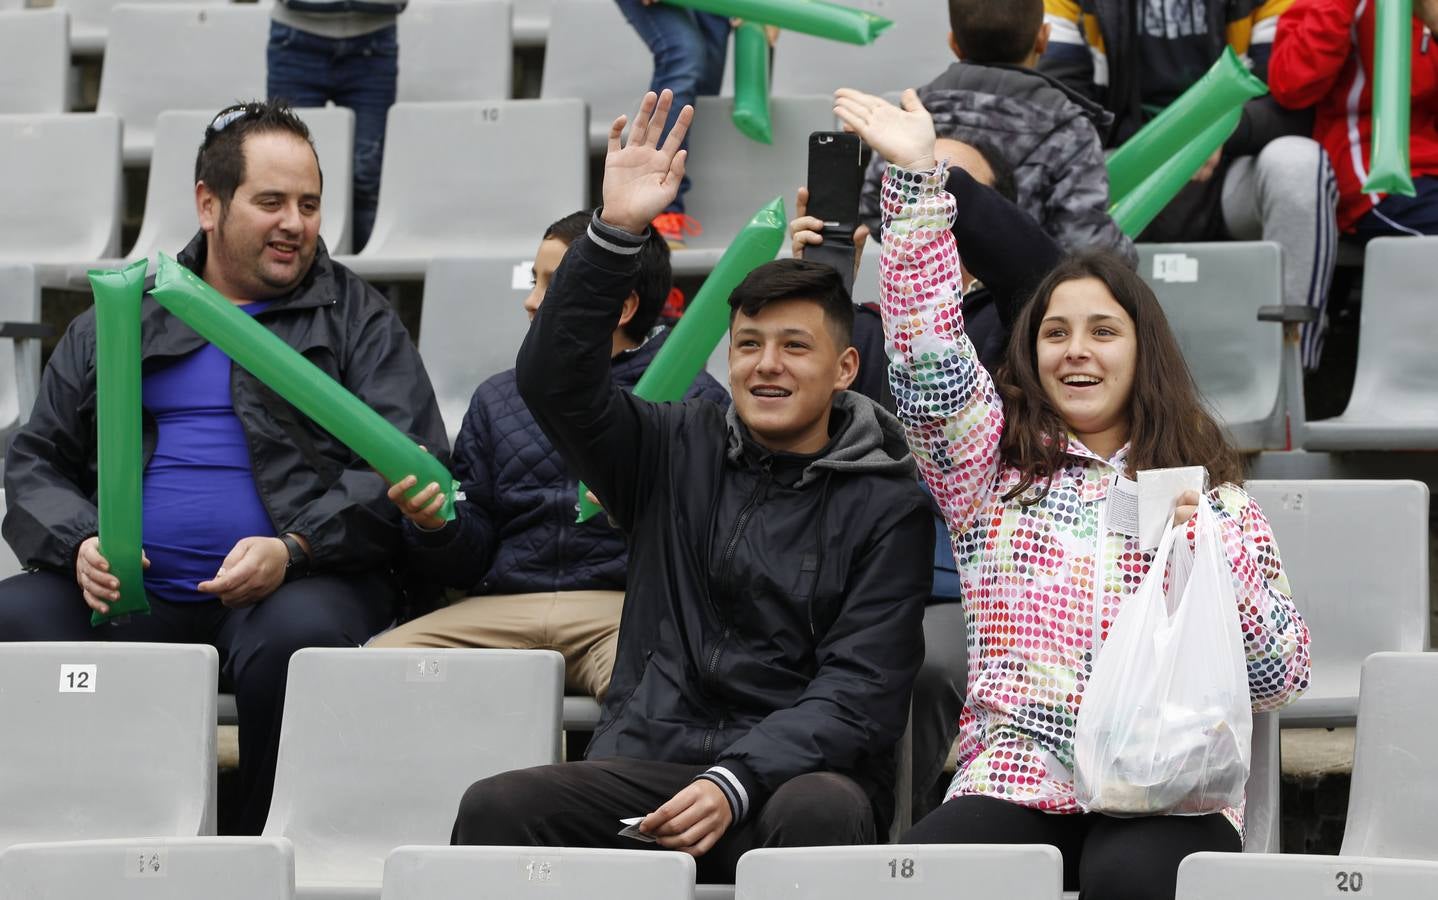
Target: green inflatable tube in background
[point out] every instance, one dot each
(1389, 171)
(121, 462)
(326, 402)
(1140, 206)
(706, 320)
(1225, 87)
(825, 20)
(751, 83)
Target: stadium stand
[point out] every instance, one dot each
(484, 149)
(150, 869)
(500, 873)
(106, 740)
(1231, 876)
(352, 785)
(90, 22)
(594, 55)
(1262, 812)
(20, 333)
(1395, 792)
(1361, 589)
(912, 52)
(531, 22)
(918, 871)
(155, 52)
(34, 61)
(59, 188)
(455, 50)
(1395, 391)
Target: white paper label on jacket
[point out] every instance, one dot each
(1175, 268)
(1121, 516)
(147, 862)
(77, 679)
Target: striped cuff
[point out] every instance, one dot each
(615, 240)
(733, 790)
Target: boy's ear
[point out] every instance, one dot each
(954, 44)
(1041, 43)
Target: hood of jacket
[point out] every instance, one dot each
(1052, 102)
(869, 439)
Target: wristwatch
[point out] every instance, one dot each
(298, 565)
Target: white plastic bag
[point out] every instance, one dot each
(1166, 723)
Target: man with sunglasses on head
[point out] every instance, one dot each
(262, 533)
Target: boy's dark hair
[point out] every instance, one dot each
(656, 278)
(220, 162)
(996, 31)
(797, 279)
(999, 165)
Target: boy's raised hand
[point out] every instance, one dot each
(641, 178)
(903, 136)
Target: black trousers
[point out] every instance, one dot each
(579, 804)
(255, 645)
(1105, 858)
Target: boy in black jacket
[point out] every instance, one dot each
(779, 557)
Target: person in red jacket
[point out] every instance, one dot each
(1323, 57)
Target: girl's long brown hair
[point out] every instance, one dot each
(1168, 422)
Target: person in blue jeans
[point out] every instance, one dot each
(689, 49)
(345, 51)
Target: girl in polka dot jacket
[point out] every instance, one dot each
(1094, 388)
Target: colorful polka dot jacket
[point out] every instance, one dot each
(1028, 573)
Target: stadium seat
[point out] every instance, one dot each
(179, 56)
(916, 871)
(462, 179)
(472, 326)
(1393, 803)
(531, 22)
(1356, 554)
(455, 50)
(143, 868)
(555, 873)
(19, 350)
(732, 177)
(1211, 294)
(170, 219)
(9, 564)
(59, 188)
(106, 740)
(1261, 812)
(594, 55)
(1231, 876)
(90, 22)
(378, 745)
(34, 61)
(913, 52)
(1394, 405)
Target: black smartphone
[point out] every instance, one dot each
(836, 174)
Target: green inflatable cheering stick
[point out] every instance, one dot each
(751, 83)
(1389, 171)
(121, 462)
(707, 319)
(1140, 206)
(825, 20)
(325, 401)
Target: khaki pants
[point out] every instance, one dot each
(581, 625)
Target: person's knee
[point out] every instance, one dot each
(817, 809)
(492, 810)
(41, 606)
(1294, 163)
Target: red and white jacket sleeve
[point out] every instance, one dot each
(1313, 42)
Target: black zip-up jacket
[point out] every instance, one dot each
(772, 624)
(309, 483)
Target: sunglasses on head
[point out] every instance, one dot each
(228, 116)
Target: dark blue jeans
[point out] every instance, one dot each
(358, 73)
(688, 50)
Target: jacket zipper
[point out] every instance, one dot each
(741, 521)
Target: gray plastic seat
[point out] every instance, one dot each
(531, 22)
(59, 188)
(143, 868)
(556, 873)
(914, 51)
(1261, 815)
(917, 871)
(1393, 803)
(106, 740)
(34, 61)
(1394, 405)
(473, 324)
(378, 745)
(170, 219)
(732, 176)
(9, 564)
(508, 168)
(593, 54)
(455, 50)
(90, 22)
(1211, 294)
(1356, 554)
(19, 355)
(179, 56)
(1231, 876)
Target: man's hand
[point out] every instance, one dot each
(1209, 166)
(1187, 507)
(692, 821)
(641, 178)
(253, 570)
(904, 137)
(423, 508)
(92, 573)
(804, 231)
